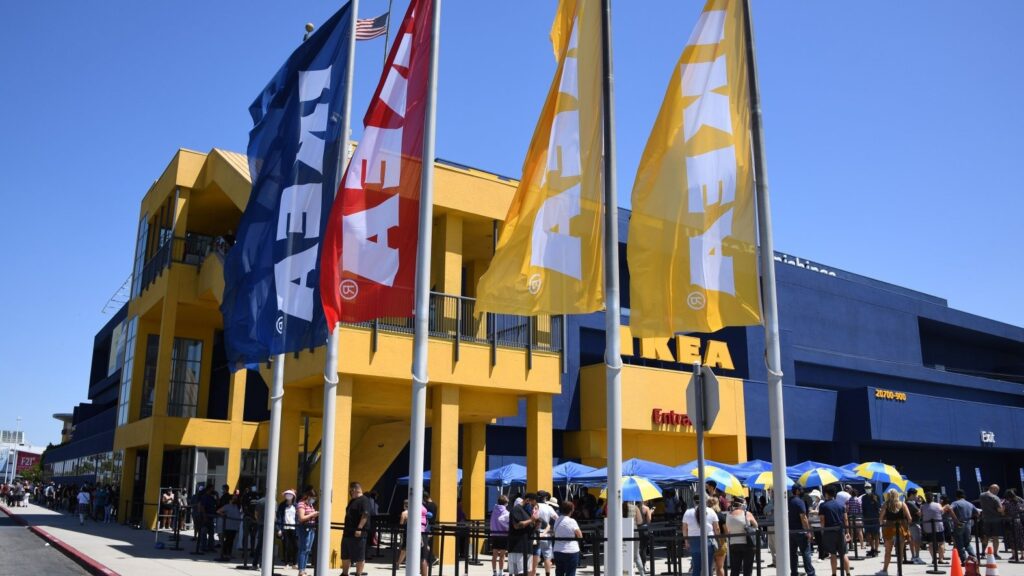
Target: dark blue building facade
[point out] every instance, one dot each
(872, 371)
(89, 456)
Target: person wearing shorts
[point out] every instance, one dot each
(499, 535)
(353, 538)
(833, 526)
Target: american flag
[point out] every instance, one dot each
(370, 28)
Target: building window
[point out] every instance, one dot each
(149, 375)
(126, 372)
(140, 256)
(186, 366)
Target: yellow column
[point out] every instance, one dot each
(154, 469)
(474, 465)
(538, 442)
(288, 466)
(453, 254)
(236, 410)
(342, 453)
(127, 483)
(444, 459)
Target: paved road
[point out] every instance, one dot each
(22, 552)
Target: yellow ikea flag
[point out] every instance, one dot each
(692, 248)
(548, 257)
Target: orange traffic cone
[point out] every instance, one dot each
(990, 563)
(956, 569)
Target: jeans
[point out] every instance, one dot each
(963, 541)
(566, 563)
(741, 559)
(801, 543)
(306, 533)
(695, 556)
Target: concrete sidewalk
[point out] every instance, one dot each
(114, 549)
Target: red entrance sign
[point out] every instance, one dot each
(671, 418)
(26, 461)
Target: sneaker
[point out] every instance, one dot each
(997, 556)
(918, 561)
(882, 573)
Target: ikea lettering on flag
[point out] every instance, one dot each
(271, 275)
(369, 255)
(548, 257)
(693, 198)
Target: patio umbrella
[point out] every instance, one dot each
(723, 479)
(636, 489)
(879, 472)
(764, 481)
(818, 477)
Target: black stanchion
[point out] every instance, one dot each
(898, 550)
(176, 538)
(757, 554)
(596, 547)
(934, 547)
(856, 521)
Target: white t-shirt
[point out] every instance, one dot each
(289, 517)
(842, 497)
(547, 513)
(566, 527)
(83, 498)
(693, 527)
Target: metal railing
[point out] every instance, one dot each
(454, 318)
(192, 250)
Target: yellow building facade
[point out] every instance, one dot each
(184, 418)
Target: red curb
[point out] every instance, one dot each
(91, 565)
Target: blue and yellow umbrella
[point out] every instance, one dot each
(880, 472)
(817, 477)
(764, 481)
(723, 479)
(636, 489)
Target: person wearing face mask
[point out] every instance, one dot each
(306, 515)
(286, 522)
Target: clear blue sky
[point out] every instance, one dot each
(893, 138)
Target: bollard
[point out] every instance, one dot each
(757, 554)
(933, 546)
(596, 546)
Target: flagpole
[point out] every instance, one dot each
(773, 354)
(323, 544)
(387, 34)
(273, 456)
(612, 352)
(417, 423)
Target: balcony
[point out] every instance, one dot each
(454, 318)
(191, 250)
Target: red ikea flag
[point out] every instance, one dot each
(368, 255)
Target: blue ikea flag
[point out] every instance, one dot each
(272, 274)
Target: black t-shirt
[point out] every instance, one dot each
(797, 507)
(831, 513)
(520, 540)
(354, 513)
(915, 510)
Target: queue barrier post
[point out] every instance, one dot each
(757, 553)
(933, 546)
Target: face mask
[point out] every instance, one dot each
(312, 501)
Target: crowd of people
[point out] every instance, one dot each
(534, 532)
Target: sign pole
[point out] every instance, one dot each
(417, 424)
(698, 384)
(773, 353)
(613, 350)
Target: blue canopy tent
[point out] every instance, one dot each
(684, 472)
(752, 467)
(658, 473)
(506, 475)
(426, 477)
(569, 472)
(797, 470)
